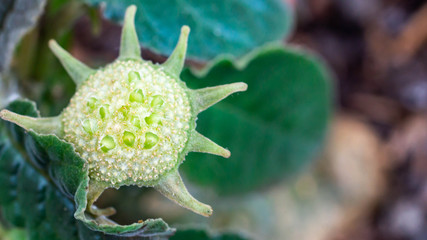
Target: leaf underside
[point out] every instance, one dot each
(217, 27)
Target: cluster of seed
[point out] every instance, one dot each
(130, 121)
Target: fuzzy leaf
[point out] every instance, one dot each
(273, 130)
(217, 27)
(37, 194)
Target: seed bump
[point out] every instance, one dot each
(153, 119)
(136, 96)
(133, 76)
(151, 140)
(129, 138)
(136, 122)
(107, 143)
(104, 111)
(88, 126)
(157, 101)
(92, 102)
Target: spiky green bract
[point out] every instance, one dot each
(78, 71)
(132, 123)
(175, 62)
(43, 125)
(129, 48)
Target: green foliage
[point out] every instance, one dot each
(29, 201)
(217, 27)
(273, 130)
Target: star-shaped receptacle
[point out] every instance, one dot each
(133, 121)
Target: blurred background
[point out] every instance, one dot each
(366, 179)
(378, 145)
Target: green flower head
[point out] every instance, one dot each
(133, 122)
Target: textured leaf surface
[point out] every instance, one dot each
(16, 18)
(217, 26)
(37, 193)
(29, 201)
(272, 130)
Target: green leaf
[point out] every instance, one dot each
(29, 201)
(37, 193)
(273, 130)
(232, 27)
(16, 18)
(200, 234)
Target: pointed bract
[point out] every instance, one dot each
(50, 125)
(200, 143)
(78, 71)
(175, 62)
(129, 45)
(172, 187)
(206, 97)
